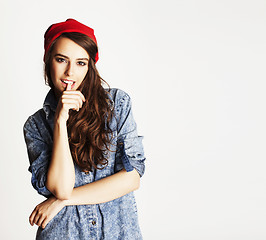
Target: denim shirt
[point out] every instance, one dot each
(113, 220)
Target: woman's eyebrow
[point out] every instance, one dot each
(62, 55)
(83, 59)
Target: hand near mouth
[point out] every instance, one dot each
(70, 99)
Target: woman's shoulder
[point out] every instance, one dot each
(119, 97)
(35, 116)
(43, 114)
(117, 93)
(33, 120)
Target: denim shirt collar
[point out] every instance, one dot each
(50, 103)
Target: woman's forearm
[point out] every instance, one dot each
(100, 191)
(61, 172)
(106, 189)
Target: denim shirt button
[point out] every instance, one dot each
(93, 222)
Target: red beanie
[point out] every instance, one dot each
(70, 25)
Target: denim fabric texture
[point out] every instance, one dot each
(113, 220)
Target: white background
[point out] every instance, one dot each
(196, 73)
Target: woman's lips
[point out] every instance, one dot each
(66, 81)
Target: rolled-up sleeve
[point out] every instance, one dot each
(130, 147)
(39, 154)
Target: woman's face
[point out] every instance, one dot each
(69, 63)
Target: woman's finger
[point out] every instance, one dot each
(75, 98)
(73, 94)
(31, 217)
(68, 88)
(36, 219)
(40, 220)
(78, 93)
(45, 222)
(70, 104)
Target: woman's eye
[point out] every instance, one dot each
(60, 60)
(81, 63)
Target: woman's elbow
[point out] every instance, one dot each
(60, 193)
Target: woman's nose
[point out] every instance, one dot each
(69, 70)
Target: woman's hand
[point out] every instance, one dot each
(44, 212)
(68, 100)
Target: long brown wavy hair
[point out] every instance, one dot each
(89, 129)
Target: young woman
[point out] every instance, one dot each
(85, 154)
